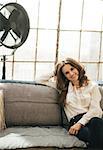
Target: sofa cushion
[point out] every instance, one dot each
(27, 104)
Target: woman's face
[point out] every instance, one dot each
(70, 72)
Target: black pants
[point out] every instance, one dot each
(92, 133)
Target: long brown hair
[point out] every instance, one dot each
(62, 82)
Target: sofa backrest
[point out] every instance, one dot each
(30, 104)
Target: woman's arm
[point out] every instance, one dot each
(94, 108)
(48, 79)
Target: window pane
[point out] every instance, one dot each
(93, 12)
(43, 69)
(90, 46)
(91, 70)
(31, 6)
(101, 58)
(44, 17)
(46, 45)
(48, 17)
(101, 72)
(27, 50)
(9, 58)
(23, 71)
(5, 51)
(8, 69)
(71, 13)
(69, 44)
(6, 1)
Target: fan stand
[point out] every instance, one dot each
(4, 67)
(3, 59)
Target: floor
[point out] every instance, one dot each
(52, 148)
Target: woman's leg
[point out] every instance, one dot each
(84, 134)
(96, 132)
(92, 133)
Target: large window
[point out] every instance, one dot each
(58, 29)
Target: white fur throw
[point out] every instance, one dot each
(19, 137)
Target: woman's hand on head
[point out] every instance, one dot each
(75, 128)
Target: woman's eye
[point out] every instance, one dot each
(66, 72)
(72, 69)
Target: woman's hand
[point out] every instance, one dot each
(75, 128)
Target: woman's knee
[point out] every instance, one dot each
(84, 134)
(96, 132)
(95, 121)
(96, 126)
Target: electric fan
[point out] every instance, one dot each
(14, 27)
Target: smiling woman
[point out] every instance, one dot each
(80, 99)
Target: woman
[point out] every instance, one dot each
(80, 99)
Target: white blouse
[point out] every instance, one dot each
(83, 100)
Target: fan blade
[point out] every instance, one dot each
(16, 31)
(13, 18)
(4, 36)
(4, 23)
(12, 36)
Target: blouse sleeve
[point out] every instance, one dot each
(94, 108)
(48, 79)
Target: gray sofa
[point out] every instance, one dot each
(34, 119)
